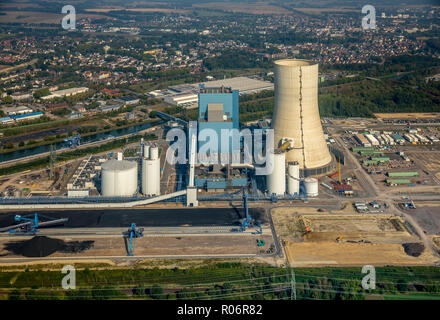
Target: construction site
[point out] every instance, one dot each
(348, 239)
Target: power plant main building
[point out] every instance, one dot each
(296, 116)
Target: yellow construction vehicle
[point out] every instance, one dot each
(339, 239)
(285, 146)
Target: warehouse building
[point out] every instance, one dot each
(362, 140)
(128, 100)
(218, 110)
(6, 120)
(393, 182)
(182, 100)
(186, 95)
(403, 174)
(66, 93)
(12, 111)
(29, 116)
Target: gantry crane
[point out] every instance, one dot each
(29, 224)
(247, 219)
(131, 235)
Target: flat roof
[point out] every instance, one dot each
(242, 84)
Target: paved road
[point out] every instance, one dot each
(364, 179)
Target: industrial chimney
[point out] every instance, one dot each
(296, 116)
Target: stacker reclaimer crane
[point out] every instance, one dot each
(131, 235)
(29, 224)
(248, 221)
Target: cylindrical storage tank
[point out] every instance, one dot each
(293, 178)
(146, 151)
(311, 186)
(119, 178)
(154, 153)
(276, 181)
(296, 114)
(119, 156)
(151, 177)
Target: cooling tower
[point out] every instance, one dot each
(296, 116)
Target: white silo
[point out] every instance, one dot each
(119, 178)
(146, 151)
(151, 172)
(154, 153)
(276, 181)
(293, 178)
(311, 186)
(296, 115)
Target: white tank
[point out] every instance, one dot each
(146, 151)
(311, 186)
(293, 178)
(151, 177)
(154, 153)
(119, 178)
(276, 181)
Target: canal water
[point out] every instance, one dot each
(84, 140)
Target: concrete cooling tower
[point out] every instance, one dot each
(296, 116)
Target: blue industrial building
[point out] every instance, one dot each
(218, 109)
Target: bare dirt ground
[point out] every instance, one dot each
(291, 223)
(352, 254)
(160, 245)
(436, 242)
(428, 217)
(365, 238)
(402, 115)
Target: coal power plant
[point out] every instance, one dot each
(143, 177)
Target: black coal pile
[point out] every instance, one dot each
(413, 249)
(41, 246)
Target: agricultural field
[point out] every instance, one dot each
(37, 17)
(251, 8)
